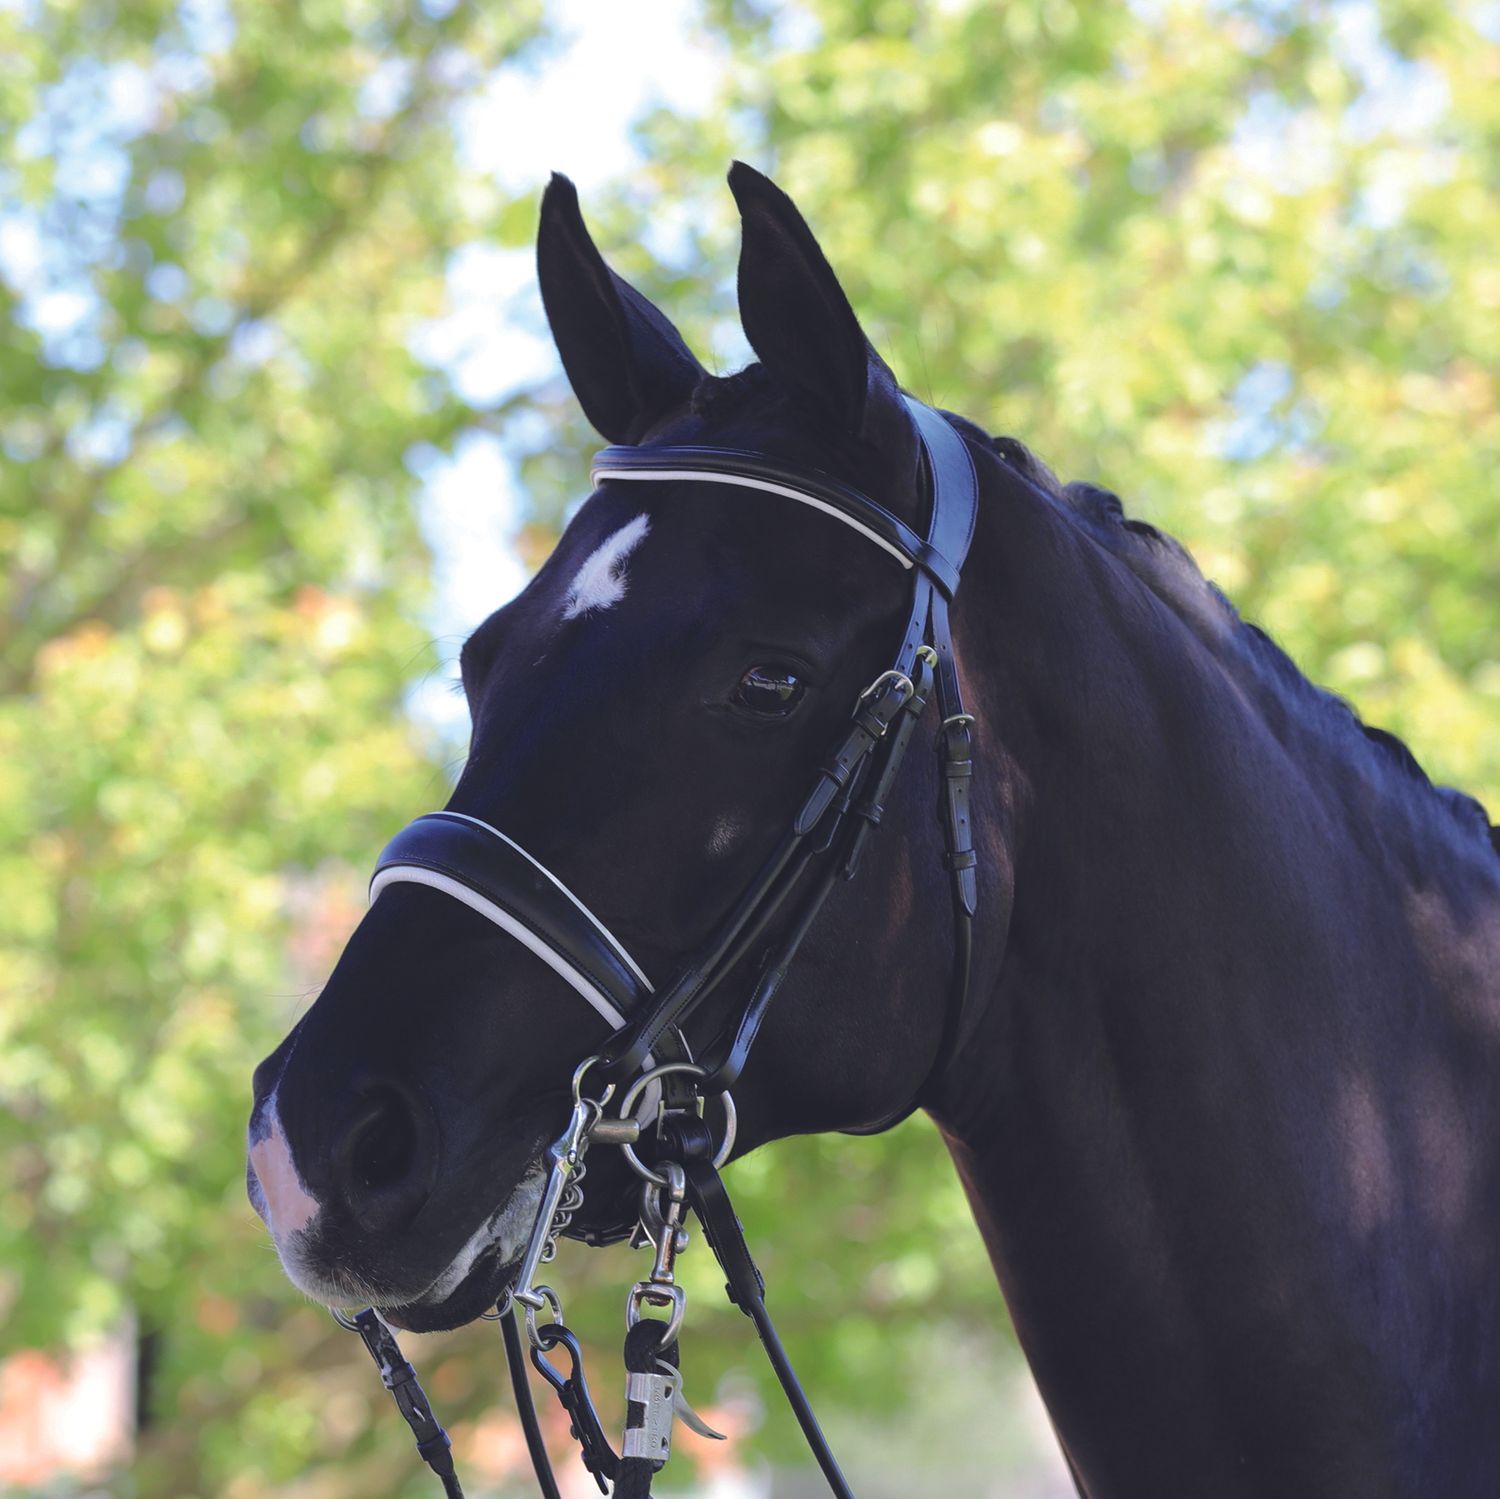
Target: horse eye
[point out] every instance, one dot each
(773, 691)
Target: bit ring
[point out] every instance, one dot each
(731, 1117)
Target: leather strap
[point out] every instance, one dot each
(952, 485)
(955, 750)
(746, 1288)
(758, 471)
(873, 716)
(531, 1426)
(869, 805)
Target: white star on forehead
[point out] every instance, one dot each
(600, 582)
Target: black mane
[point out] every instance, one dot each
(1168, 569)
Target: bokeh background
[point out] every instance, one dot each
(279, 425)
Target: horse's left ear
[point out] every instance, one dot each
(799, 321)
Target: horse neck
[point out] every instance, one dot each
(1192, 958)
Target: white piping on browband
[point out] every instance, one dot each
(711, 476)
(598, 925)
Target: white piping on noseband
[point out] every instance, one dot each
(747, 481)
(585, 988)
(410, 874)
(542, 869)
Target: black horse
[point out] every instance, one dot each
(1229, 1116)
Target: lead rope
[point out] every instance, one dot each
(652, 1383)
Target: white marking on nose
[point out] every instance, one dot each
(600, 582)
(290, 1207)
(507, 1228)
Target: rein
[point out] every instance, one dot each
(647, 1061)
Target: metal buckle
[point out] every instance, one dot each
(893, 675)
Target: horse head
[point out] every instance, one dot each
(648, 716)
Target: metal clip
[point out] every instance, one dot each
(652, 1224)
(663, 1225)
(671, 1240)
(652, 1439)
(573, 1395)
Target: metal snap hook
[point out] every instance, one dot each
(578, 1075)
(654, 1294)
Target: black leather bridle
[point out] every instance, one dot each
(480, 866)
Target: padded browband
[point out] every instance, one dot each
(758, 471)
(481, 867)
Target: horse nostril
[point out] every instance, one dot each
(383, 1146)
(388, 1159)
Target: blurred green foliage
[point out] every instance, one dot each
(1233, 260)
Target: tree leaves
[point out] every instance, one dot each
(221, 230)
(1234, 261)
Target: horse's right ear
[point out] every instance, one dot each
(627, 364)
